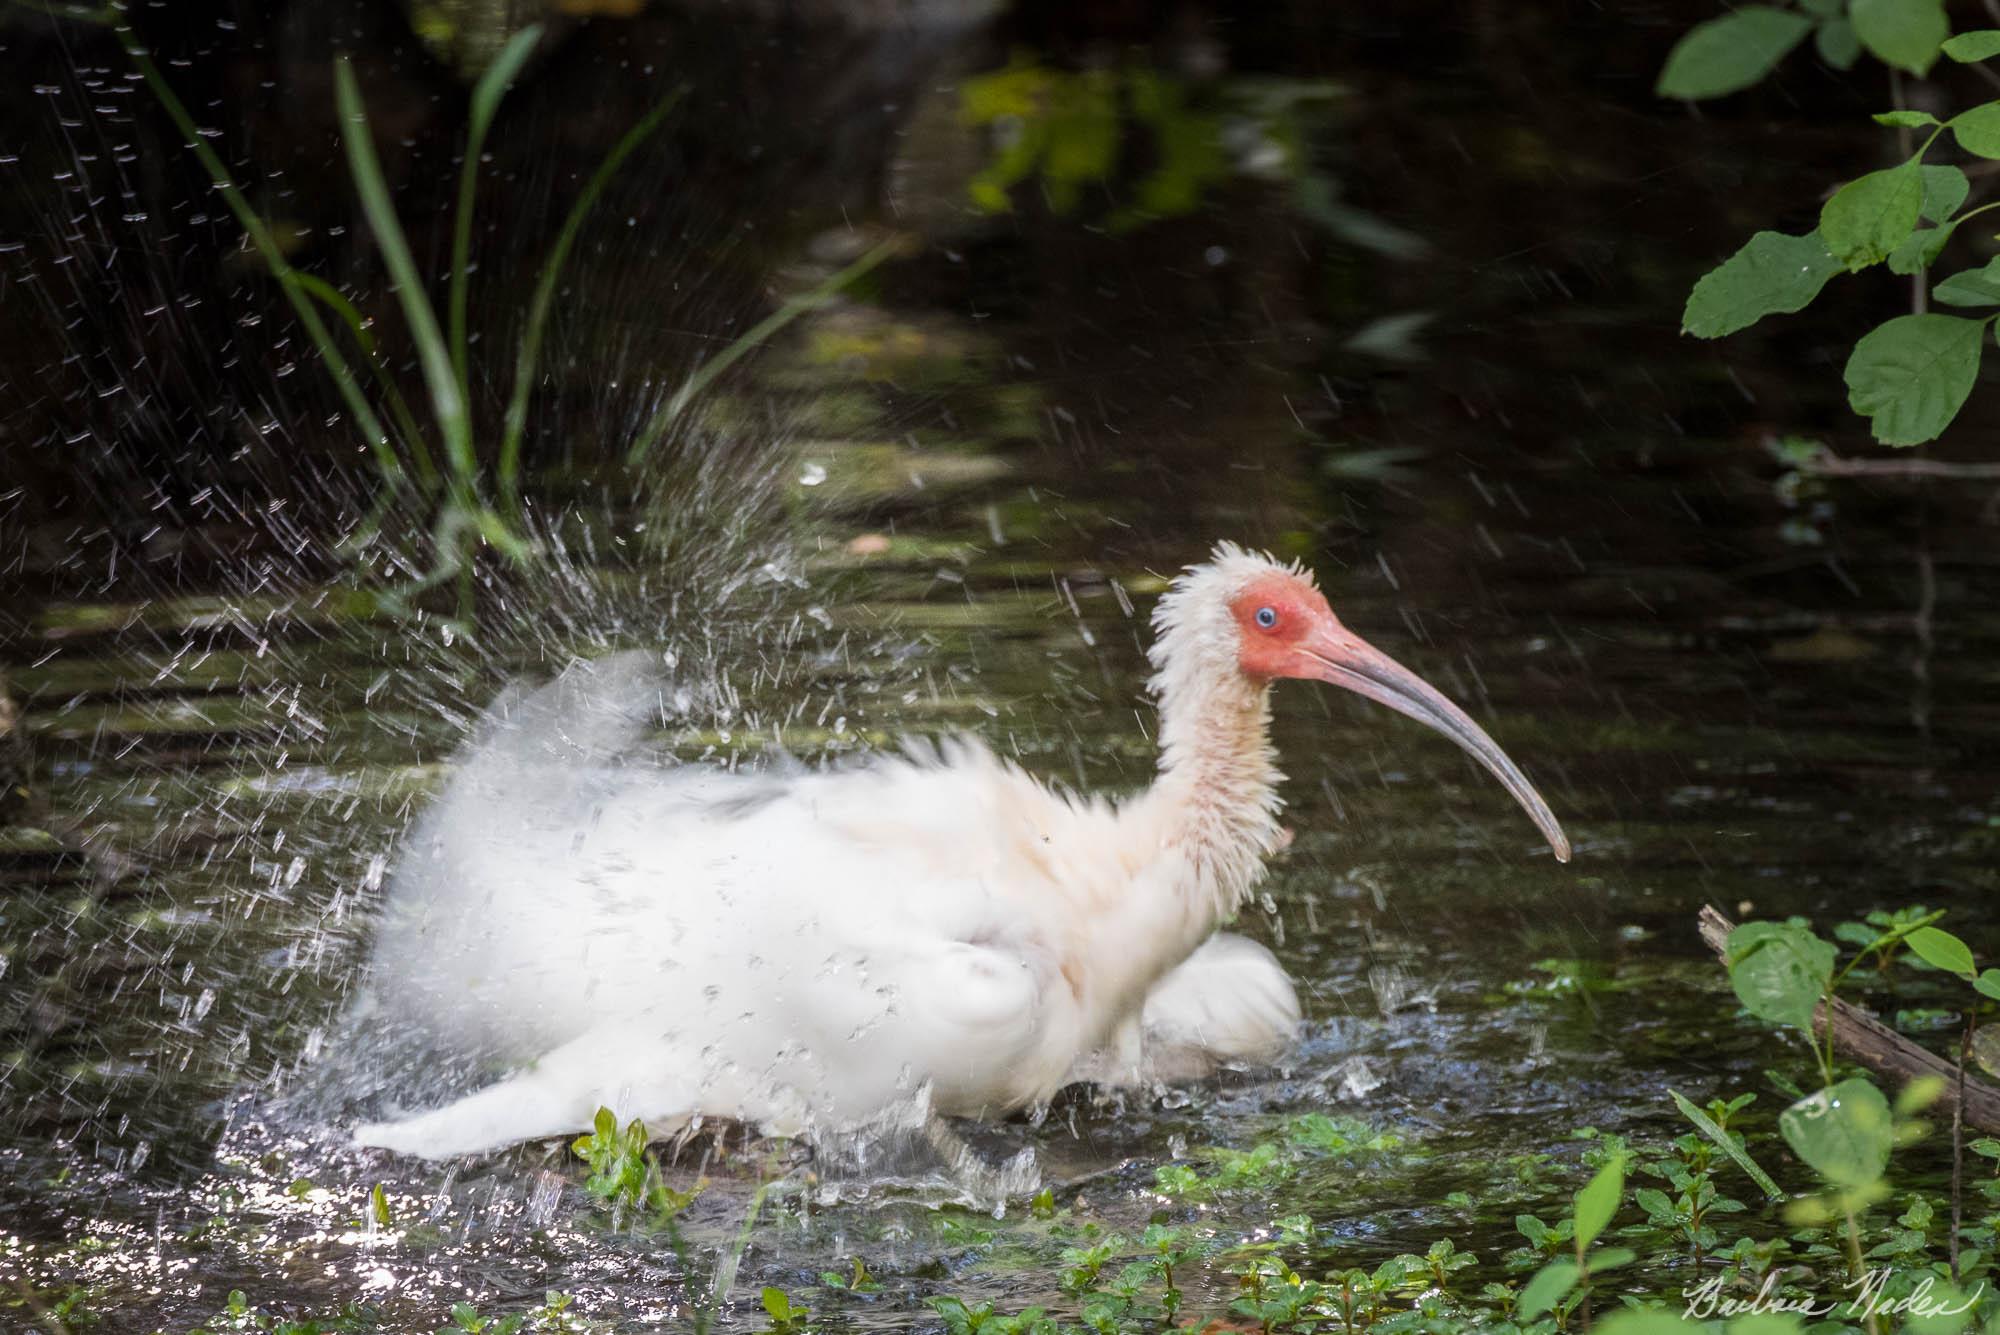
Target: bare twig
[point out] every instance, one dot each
(1876, 1046)
(1828, 464)
(1958, 1145)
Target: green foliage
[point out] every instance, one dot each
(1982, 44)
(1712, 1122)
(1941, 950)
(1737, 50)
(860, 1281)
(788, 1316)
(1911, 375)
(1564, 1282)
(1728, 54)
(1132, 146)
(1971, 287)
(1902, 33)
(1868, 218)
(1774, 274)
(1779, 970)
(1843, 1132)
(622, 1174)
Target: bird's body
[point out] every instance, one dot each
(813, 950)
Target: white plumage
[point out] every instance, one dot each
(807, 951)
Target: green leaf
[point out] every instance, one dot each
(1916, 1096)
(1920, 249)
(1823, 9)
(1945, 189)
(1979, 44)
(1773, 274)
(1728, 54)
(1986, 1048)
(1843, 1132)
(1837, 45)
(1905, 120)
(1610, 1258)
(447, 396)
(1903, 33)
(1988, 983)
(1910, 376)
(1869, 217)
(378, 1204)
(1978, 130)
(1779, 971)
(1598, 1201)
(1727, 1144)
(1941, 950)
(1549, 1286)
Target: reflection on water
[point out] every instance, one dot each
(947, 503)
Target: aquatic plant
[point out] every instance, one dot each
(468, 496)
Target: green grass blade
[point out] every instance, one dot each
(447, 402)
(751, 339)
(516, 421)
(273, 256)
(335, 300)
(486, 95)
(1706, 1125)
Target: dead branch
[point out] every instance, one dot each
(1828, 464)
(1876, 1046)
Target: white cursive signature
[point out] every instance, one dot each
(1706, 1299)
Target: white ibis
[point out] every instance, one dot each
(813, 951)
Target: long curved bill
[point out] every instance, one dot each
(1347, 661)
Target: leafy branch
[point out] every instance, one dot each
(1910, 375)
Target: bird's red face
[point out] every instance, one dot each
(1277, 617)
(1286, 629)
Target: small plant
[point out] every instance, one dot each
(623, 1174)
(1910, 375)
(1845, 1132)
(960, 1319)
(860, 1281)
(788, 1315)
(1562, 1285)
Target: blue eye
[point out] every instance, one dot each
(1267, 617)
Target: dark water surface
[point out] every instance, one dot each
(948, 502)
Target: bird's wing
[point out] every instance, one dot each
(1228, 1004)
(951, 1027)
